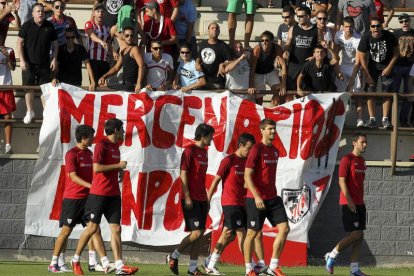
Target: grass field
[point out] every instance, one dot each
(36, 268)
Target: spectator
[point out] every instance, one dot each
(99, 47)
(184, 25)
(132, 64)
(126, 19)
(380, 47)
(314, 5)
(48, 5)
(405, 38)
(160, 68)
(25, 10)
(380, 6)
(302, 38)
(288, 16)
(8, 104)
(61, 22)
(325, 36)
(8, 15)
(360, 10)
(238, 70)
(187, 77)
(213, 54)
(167, 8)
(234, 7)
(317, 74)
(347, 41)
(158, 27)
(36, 38)
(70, 58)
(266, 62)
(111, 9)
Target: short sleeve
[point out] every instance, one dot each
(71, 162)
(23, 30)
(192, 13)
(337, 38)
(98, 154)
(253, 157)
(84, 54)
(344, 167)
(186, 159)
(364, 43)
(88, 25)
(224, 167)
(279, 32)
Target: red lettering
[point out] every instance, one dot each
(68, 109)
(106, 101)
(219, 126)
(314, 117)
(279, 113)
(187, 119)
(294, 139)
(173, 217)
(161, 138)
(129, 203)
(321, 184)
(134, 118)
(247, 120)
(60, 188)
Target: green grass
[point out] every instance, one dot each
(36, 268)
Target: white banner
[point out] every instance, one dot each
(158, 126)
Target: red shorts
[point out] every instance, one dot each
(7, 102)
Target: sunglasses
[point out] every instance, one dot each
(322, 18)
(3, 3)
(404, 21)
(157, 48)
(376, 26)
(59, 7)
(184, 53)
(70, 37)
(265, 40)
(285, 17)
(300, 16)
(129, 35)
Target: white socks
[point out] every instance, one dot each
(54, 260)
(61, 259)
(92, 258)
(333, 253)
(274, 263)
(249, 267)
(119, 264)
(104, 261)
(76, 258)
(213, 260)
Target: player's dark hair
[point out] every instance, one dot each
(244, 138)
(322, 11)
(128, 28)
(203, 130)
(58, 1)
(185, 45)
(267, 122)
(349, 20)
(305, 9)
(37, 5)
(83, 131)
(376, 18)
(356, 136)
(156, 41)
(319, 47)
(113, 125)
(269, 34)
(70, 30)
(289, 9)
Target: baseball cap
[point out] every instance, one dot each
(152, 5)
(99, 6)
(403, 16)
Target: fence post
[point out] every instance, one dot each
(394, 133)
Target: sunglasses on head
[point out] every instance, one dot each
(376, 26)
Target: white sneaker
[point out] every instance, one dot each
(8, 149)
(360, 123)
(28, 118)
(65, 268)
(109, 269)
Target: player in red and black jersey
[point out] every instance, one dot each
(105, 197)
(262, 200)
(194, 163)
(351, 180)
(231, 174)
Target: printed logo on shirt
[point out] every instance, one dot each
(354, 11)
(378, 51)
(160, 1)
(356, 224)
(252, 223)
(238, 222)
(303, 41)
(113, 6)
(270, 161)
(319, 74)
(115, 156)
(83, 165)
(239, 172)
(69, 221)
(297, 203)
(92, 215)
(208, 55)
(196, 223)
(187, 73)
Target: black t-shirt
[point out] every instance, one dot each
(282, 34)
(211, 56)
(307, 3)
(112, 8)
(37, 41)
(303, 42)
(318, 79)
(406, 47)
(70, 64)
(380, 50)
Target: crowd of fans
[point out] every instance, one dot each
(154, 44)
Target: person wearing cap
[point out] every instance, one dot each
(405, 38)
(168, 8)
(157, 27)
(99, 48)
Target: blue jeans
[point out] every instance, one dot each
(401, 73)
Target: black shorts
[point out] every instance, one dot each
(36, 74)
(354, 221)
(99, 68)
(109, 206)
(234, 216)
(386, 81)
(72, 212)
(274, 211)
(195, 218)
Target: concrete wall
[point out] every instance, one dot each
(389, 235)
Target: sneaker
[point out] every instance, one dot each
(92, 267)
(110, 268)
(8, 149)
(196, 272)
(273, 272)
(65, 268)
(213, 271)
(371, 123)
(54, 269)
(386, 124)
(360, 123)
(28, 118)
(257, 268)
(173, 264)
(126, 270)
(77, 269)
(358, 273)
(330, 263)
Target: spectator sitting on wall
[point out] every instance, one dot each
(234, 7)
(160, 68)
(70, 58)
(132, 64)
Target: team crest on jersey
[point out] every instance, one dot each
(238, 222)
(69, 221)
(297, 203)
(113, 6)
(92, 215)
(356, 224)
(196, 223)
(252, 223)
(160, 1)
(208, 55)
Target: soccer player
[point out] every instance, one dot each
(105, 198)
(194, 162)
(262, 200)
(78, 166)
(351, 180)
(231, 173)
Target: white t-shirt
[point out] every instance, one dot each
(239, 77)
(349, 47)
(5, 72)
(158, 71)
